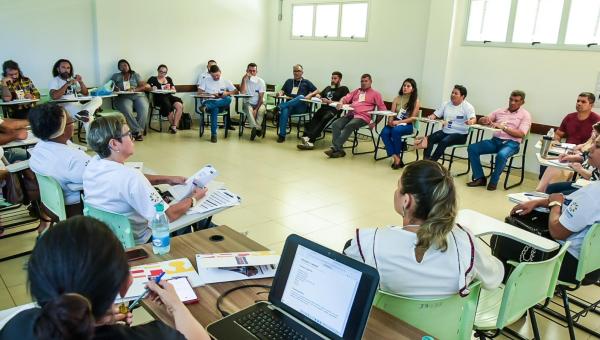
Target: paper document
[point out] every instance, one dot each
(220, 198)
(225, 267)
(522, 197)
(173, 268)
(200, 179)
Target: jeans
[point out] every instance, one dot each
(342, 128)
(392, 138)
(213, 107)
(126, 104)
(316, 125)
(564, 188)
(443, 140)
(504, 148)
(291, 107)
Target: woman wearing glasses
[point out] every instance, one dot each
(170, 105)
(112, 186)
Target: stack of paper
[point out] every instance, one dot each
(200, 179)
(216, 199)
(225, 267)
(173, 268)
(522, 197)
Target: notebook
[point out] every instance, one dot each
(303, 302)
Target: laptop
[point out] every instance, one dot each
(317, 293)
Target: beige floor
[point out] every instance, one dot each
(286, 191)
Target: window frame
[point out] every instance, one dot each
(339, 28)
(560, 44)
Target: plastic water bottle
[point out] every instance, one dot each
(161, 240)
(550, 133)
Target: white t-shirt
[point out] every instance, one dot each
(216, 86)
(580, 214)
(202, 77)
(57, 82)
(116, 188)
(63, 163)
(255, 86)
(456, 116)
(438, 274)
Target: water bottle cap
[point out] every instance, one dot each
(159, 207)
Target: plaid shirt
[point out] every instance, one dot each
(27, 86)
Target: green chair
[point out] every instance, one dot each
(509, 166)
(416, 125)
(447, 318)
(52, 196)
(528, 284)
(450, 156)
(589, 261)
(118, 223)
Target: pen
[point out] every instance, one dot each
(137, 301)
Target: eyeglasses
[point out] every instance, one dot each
(127, 134)
(162, 72)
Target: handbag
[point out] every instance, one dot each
(186, 121)
(13, 190)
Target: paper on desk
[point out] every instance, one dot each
(173, 268)
(199, 179)
(236, 266)
(522, 197)
(217, 199)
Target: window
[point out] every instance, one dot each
(488, 20)
(335, 20)
(537, 21)
(566, 24)
(584, 23)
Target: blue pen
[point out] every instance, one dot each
(137, 301)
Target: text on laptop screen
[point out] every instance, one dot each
(321, 289)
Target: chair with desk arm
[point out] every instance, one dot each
(404, 141)
(118, 223)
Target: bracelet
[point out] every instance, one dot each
(194, 201)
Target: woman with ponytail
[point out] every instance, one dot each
(74, 274)
(428, 255)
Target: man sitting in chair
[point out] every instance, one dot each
(222, 90)
(296, 88)
(362, 100)
(514, 123)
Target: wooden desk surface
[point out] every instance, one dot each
(380, 325)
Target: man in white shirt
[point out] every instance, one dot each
(52, 156)
(253, 107)
(66, 86)
(205, 74)
(571, 217)
(222, 90)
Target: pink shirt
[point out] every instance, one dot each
(520, 119)
(372, 100)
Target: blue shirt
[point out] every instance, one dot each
(304, 87)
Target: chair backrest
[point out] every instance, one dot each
(528, 284)
(589, 256)
(447, 318)
(52, 196)
(118, 223)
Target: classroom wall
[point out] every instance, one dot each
(394, 49)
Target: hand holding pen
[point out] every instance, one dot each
(136, 302)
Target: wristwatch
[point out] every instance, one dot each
(194, 201)
(554, 204)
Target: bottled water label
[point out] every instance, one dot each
(161, 245)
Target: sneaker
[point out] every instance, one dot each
(83, 116)
(213, 138)
(280, 139)
(253, 133)
(305, 139)
(306, 146)
(173, 129)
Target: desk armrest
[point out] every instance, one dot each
(18, 166)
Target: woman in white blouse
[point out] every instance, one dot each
(110, 185)
(428, 255)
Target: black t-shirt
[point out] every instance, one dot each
(334, 94)
(21, 327)
(153, 81)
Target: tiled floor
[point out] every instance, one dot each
(287, 191)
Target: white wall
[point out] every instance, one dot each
(394, 51)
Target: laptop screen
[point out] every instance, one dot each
(310, 290)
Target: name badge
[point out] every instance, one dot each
(401, 114)
(361, 97)
(295, 90)
(20, 94)
(126, 85)
(460, 117)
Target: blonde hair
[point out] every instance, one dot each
(434, 192)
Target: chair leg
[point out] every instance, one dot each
(534, 326)
(201, 125)
(377, 148)
(226, 123)
(568, 315)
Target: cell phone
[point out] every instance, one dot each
(136, 254)
(184, 290)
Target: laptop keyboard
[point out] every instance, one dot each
(265, 324)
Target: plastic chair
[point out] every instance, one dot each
(446, 318)
(118, 223)
(528, 284)
(589, 261)
(450, 156)
(155, 108)
(52, 196)
(404, 141)
(509, 166)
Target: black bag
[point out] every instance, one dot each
(507, 249)
(186, 121)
